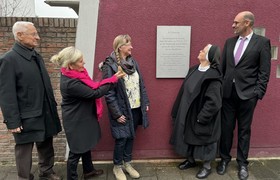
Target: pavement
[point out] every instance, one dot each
(259, 169)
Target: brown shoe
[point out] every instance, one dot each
(50, 177)
(93, 173)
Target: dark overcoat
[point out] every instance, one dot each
(26, 95)
(118, 103)
(197, 119)
(79, 113)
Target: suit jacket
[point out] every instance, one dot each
(251, 74)
(25, 95)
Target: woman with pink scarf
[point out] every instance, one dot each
(81, 109)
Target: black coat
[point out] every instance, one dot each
(118, 103)
(26, 94)
(79, 113)
(252, 72)
(204, 105)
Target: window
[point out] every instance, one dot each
(259, 30)
(274, 52)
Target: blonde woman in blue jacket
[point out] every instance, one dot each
(127, 102)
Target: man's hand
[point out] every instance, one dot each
(17, 130)
(122, 119)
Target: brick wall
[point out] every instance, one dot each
(55, 34)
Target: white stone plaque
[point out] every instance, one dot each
(173, 51)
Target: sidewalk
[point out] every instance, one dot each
(259, 169)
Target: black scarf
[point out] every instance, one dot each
(127, 65)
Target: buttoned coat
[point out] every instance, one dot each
(25, 85)
(79, 113)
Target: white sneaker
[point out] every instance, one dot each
(118, 172)
(131, 171)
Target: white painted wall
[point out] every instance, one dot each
(86, 31)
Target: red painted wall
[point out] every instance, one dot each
(210, 22)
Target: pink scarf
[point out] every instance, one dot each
(84, 77)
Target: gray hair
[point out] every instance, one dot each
(250, 17)
(20, 26)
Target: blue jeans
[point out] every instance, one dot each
(123, 146)
(123, 150)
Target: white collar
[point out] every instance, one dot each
(203, 69)
(249, 36)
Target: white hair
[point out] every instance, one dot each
(20, 26)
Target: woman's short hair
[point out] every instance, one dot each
(67, 56)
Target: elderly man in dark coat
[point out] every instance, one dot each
(28, 104)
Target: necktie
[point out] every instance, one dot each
(239, 51)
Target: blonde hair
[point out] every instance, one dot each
(66, 56)
(20, 26)
(119, 41)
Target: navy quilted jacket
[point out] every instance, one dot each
(118, 103)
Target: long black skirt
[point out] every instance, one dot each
(204, 152)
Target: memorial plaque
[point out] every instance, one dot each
(173, 51)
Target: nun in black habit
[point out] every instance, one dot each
(196, 112)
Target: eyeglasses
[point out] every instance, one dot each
(126, 44)
(32, 34)
(239, 22)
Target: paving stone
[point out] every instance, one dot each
(258, 170)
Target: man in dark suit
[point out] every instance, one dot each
(246, 70)
(28, 104)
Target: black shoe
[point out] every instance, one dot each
(222, 167)
(243, 173)
(186, 165)
(52, 176)
(93, 173)
(203, 173)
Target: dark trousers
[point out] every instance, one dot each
(23, 156)
(72, 164)
(123, 146)
(123, 150)
(235, 109)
